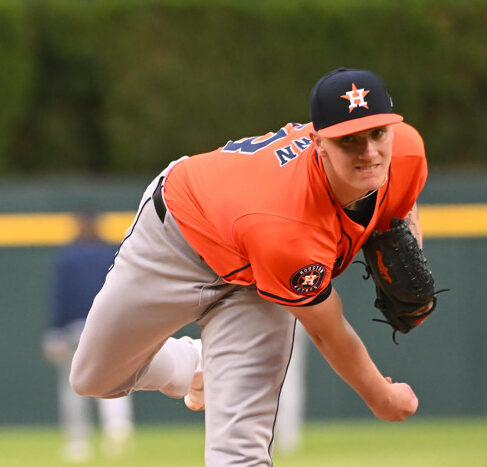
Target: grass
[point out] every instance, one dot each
(416, 443)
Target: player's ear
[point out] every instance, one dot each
(318, 141)
(315, 137)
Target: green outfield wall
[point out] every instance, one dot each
(127, 85)
(444, 359)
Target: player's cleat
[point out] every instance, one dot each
(117, 441)
(76, 451)
(195, 399)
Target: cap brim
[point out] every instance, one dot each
(359, 124)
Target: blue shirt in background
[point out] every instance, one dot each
(80, 273)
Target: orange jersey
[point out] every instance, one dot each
(260, 210)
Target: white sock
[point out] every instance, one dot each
(171, 371)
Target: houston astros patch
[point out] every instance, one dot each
(308, 279)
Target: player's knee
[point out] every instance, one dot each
(82, 383)
(78, 384)
(93, 386)
(88, 383)
(93, 377)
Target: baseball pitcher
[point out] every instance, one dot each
(245, 239)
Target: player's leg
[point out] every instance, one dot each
(152, 291)
(117, 424)
(246, 346)
(75, 418)
(292, 398)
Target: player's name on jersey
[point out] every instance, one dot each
(51, 229)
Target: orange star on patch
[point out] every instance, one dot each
(356, 97)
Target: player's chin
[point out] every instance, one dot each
(369, 180)
(367, 185)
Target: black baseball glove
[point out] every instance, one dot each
(404, 283)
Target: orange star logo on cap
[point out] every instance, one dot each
(356, 97)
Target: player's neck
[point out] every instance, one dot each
(348, 196)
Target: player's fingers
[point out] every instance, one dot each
(413, 400)
(389, 379)
(410, 390)
(415, 404)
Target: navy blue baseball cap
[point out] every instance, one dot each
(348, 100)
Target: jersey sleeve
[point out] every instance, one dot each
(291, 261)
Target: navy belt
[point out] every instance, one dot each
(158, 201)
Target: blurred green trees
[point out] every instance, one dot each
(126, 85)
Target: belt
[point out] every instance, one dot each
(158, 201)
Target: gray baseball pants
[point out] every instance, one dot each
(157, 285)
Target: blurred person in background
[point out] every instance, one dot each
(80, 272)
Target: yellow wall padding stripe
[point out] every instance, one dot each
(454, 220)
(56, 229)
(45, 229)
